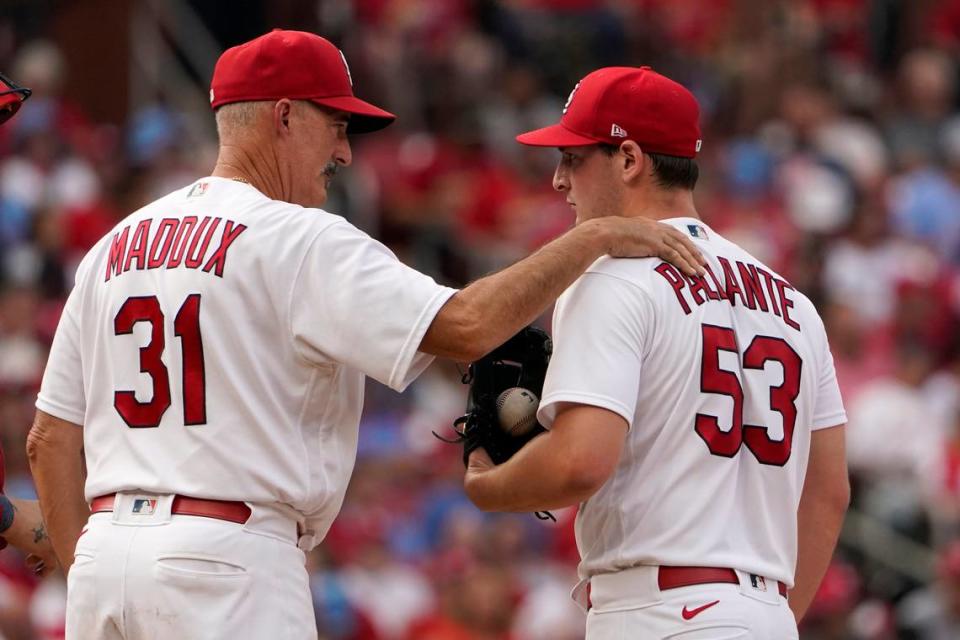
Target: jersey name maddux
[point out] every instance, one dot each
(172, 243)
(721, 380)
(215, 346)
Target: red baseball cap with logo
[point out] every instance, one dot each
(12, 96)
(295, 65)
(615, 104)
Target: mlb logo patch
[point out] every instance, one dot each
(758, 583)
(697, 231)
(198, 189)
(144, 507)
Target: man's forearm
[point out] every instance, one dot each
(557, 469)
(823, 503)
(529, 481)
(489, 311)
(55, 450)
(65, 513)
(818, 523)
(24, 530)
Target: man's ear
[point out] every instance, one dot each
(282, 113)
(632, 160)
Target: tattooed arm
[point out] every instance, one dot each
(27, 532)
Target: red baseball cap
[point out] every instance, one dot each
(12, 96)
(295, 65)
(614, 104)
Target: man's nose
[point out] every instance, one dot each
(342, 154)
(560, 182)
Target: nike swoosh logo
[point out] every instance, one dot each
(691, 613)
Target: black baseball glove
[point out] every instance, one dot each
(520, 362)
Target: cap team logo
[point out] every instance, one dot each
(346, 66)
(570, 98)
(616, 131)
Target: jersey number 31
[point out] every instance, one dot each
(186, 326)
(783, 399)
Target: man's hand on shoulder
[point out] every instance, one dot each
(645, 238)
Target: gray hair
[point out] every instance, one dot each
(235, 118)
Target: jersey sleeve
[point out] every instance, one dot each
(352, 301)
(599, 329)
(828, 408)
(61, 391)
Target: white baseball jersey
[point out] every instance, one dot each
(215, 346)
(721, 380)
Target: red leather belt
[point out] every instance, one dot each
(675, 577)
(183, 506)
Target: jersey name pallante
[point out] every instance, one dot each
(754, 286)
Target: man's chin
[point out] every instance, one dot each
(318, 199)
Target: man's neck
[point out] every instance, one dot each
(661, 204)
(235, 163)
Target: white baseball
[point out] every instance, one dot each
(517, 410)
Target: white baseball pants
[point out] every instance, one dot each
(629, 604)
(141, 573)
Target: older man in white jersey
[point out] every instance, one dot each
(696, 420)
(209, 365)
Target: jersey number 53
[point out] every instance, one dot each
(783, 398)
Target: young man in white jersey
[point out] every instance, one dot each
(696, 420)
(214, 350)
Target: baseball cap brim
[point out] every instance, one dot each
(364, 117)
(9, 105)
(556, 135)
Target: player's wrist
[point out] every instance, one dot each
(597, 234)
(7, 513)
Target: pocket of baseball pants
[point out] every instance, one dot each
(200, 566)
(713, 632)
(81, 557)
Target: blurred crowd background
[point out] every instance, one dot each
(831, 152)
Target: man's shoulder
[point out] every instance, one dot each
(617, 280)
(632, 278)
(634, 270)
